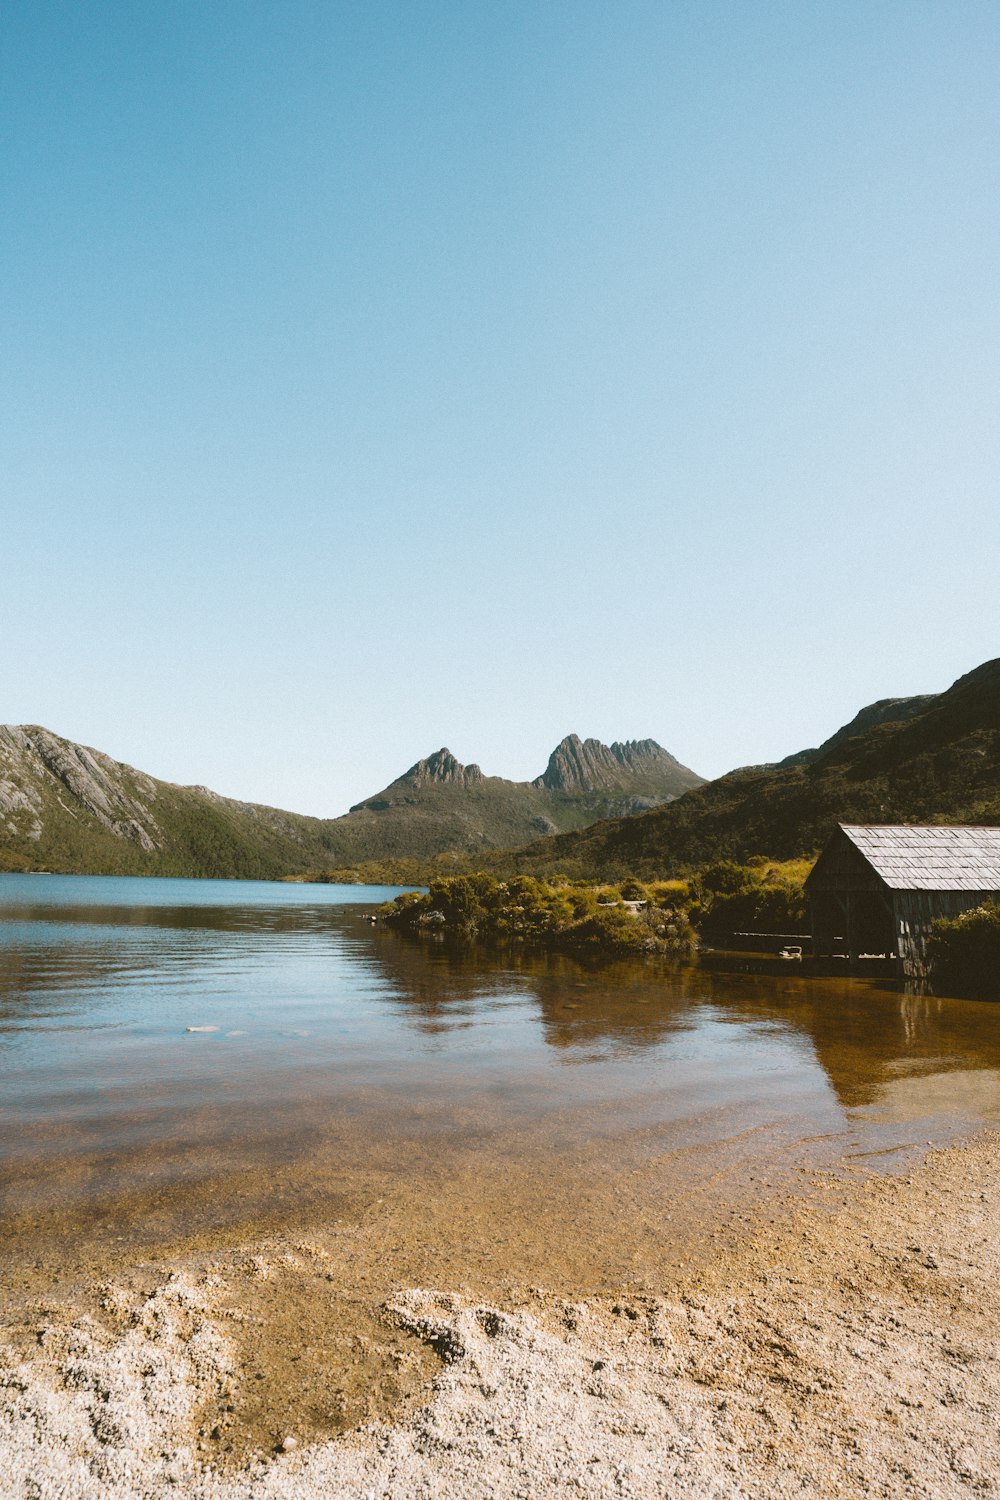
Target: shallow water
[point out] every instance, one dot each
(182, 1061)
(251, 1082)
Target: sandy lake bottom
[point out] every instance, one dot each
(461, 1225)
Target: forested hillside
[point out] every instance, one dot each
(940, 763)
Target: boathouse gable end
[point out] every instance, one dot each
(879, 888)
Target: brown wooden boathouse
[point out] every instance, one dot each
(876, 889)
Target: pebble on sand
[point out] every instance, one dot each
(288, 1443)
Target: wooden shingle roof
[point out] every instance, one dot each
(911, 857)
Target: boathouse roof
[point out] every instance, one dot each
(911, 857)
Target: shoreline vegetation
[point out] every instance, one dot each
(669, 917)
(964, 952)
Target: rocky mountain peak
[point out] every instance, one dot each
(443, 769)
(440, 769)
(577, 765)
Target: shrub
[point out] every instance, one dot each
(583, 903)
(611, 929)
(544, 914)
(964, 951)
(726, 878)
(632, 890)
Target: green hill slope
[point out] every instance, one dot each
(938, 762)
(65, 807)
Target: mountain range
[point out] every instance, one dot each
(66, 807)
(596, 811)
(928, 759)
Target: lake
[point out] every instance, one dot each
(182, 1058)
(243, 1074)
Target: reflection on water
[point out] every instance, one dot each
(207, 1052)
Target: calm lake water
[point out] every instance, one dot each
(188, 1057)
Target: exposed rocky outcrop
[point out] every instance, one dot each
(30, 756)
(577, 765)
(65, 806)
(440, 805)
(444, 768)
(439, 769)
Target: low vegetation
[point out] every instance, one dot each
(12, 863)
(630, 916)
(964, 952)
(403, 871)
(762, 896)
(549, 914)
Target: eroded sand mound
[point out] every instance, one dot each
(844, 1353)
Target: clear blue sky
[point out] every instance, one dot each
(377, 376)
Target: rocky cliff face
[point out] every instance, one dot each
(64, 806)
(577, 768)
(36, 764)
(442, 767)
(577, 765)
(439, 804)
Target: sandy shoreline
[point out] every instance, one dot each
(849, 1347)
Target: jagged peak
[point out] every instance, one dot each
(589, 765)
(444, 768)
(631, 768)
